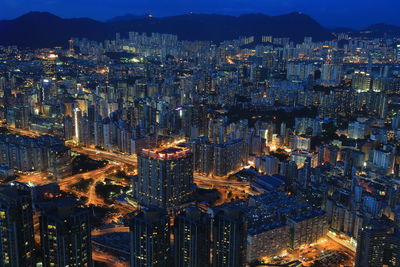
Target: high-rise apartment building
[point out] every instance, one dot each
(229, 237)
(192, 238)
(150, 238)
(16, 228)
(378, 245)
(65, 236)
(165, 178)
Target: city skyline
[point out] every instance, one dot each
(198, 140)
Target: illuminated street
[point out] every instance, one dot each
(105, 155)
(235, 189)
(109, 259)
(325, 248)
(110, 230)
(209, 134)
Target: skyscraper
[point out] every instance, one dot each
(331, 73)
(229, 236)
(165, 178)
(49, 65)
(304, 174)
(77, 124)
(16, 228)
(361, 81)
(192, 238)
(150, 238)
(65, 236)
(378, 245)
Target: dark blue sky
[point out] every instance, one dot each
(354, 13)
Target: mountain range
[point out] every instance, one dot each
(42, 29)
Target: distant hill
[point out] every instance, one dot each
(374, 31)
(382, 30)
(42, 29)
(343, 30)
(126, 17)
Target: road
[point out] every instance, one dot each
(28, 133)
(106, 257)
(235, 189)
(229, 189)
(92, 152)
(110, 230)
(341, 241)
(66, 184)
(116, 162)
(220, 181)
(41, 178)
(106, 155)
(109, 259)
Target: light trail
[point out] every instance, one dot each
(108, 259)
(110, 230)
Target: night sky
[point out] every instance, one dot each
(331, 13)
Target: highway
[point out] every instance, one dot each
(229, 189)
(28, 133)
(108, 259)
(106, 155)
(110, 230)
(93, 153)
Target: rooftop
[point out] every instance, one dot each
(170, 153)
